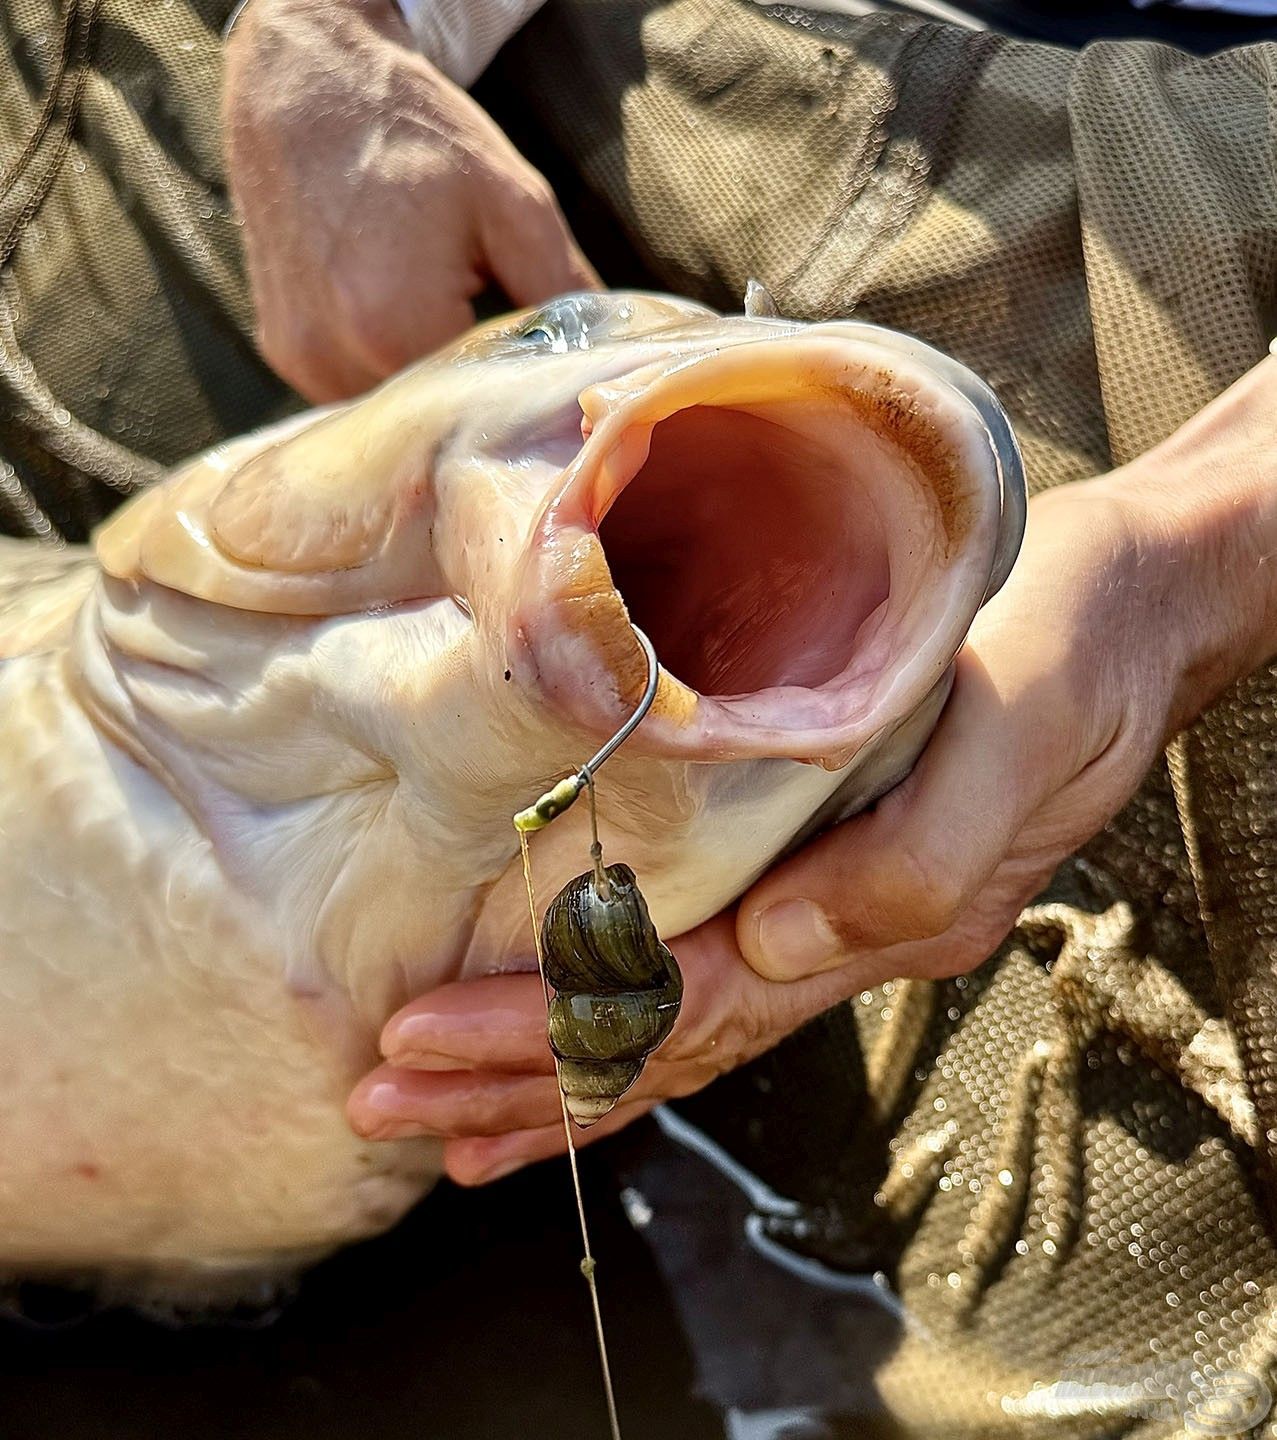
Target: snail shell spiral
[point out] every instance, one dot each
(617, 989)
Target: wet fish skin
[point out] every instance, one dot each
(259, 748)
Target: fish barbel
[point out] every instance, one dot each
(261, 742)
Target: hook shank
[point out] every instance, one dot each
(554, 802)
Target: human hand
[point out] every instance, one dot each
(1136, 599)
(377, 198)
(470, 1060)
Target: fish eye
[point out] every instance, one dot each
(572, 322)
(540, 333)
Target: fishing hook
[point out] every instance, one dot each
(554, 802)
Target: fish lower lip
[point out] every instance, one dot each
(799, 526)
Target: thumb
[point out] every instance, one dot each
(910, 869)
(528, 248)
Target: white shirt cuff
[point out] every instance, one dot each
(460, 37)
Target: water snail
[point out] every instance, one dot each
(617, 988)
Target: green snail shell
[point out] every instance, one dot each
(617, 989)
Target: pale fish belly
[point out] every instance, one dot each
(41, 588)
(173, 1111)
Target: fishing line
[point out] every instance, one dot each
(588, 1264)
(536, 817)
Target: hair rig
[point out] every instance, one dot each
(617, 988)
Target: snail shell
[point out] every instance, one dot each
(617, 989)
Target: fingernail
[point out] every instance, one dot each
(795, 939)
(421, 1034)
(385, 1099)
(379, 1115)
(427, 1042)
(446, 1035)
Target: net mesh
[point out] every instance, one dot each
(125, 331)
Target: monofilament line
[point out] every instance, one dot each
(587, 1260)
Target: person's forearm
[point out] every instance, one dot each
(1209, 495)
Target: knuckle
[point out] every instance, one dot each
(534, 187)
(530, 201)
(975, 940)
(955, 959)
(919, 895)
(743, 1030)
(284, 359)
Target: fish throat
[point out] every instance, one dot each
(803, 524)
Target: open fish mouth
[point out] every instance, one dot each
(805, 528)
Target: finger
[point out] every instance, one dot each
(529, 248)
(380, 319)
(392, 1104)
(498, 1024)
(910, 869)
(320, 368)
(298, 339)
(479, 1161)
(391, 332)
(494, 1023)
(729, 1013)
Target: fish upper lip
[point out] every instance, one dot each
(567, 562)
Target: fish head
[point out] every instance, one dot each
(803, 518)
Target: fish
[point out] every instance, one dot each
(262, 739)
